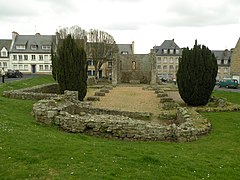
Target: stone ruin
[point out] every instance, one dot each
(74, 116)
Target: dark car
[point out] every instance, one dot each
(14, 73)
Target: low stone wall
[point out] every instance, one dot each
(80, 117)
(75, 116)
(35, 93)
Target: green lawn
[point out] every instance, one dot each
(32, 151)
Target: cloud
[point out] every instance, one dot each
(201, 13)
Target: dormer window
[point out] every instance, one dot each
(171, 51)
(46, 47)
(4, 52)
(124, 52)
(177, 51)
(34, 47)
(20, 47)
(165, 51)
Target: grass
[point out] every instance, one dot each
(32, 151)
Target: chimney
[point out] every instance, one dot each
(133, 47)
(14, 35)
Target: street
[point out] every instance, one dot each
(25, 76)
(227, 89)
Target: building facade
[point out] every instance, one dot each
(31, 53)
(5, 45)
(223, 60)
(167, 59)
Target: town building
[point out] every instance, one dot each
(31, 53)
(5, 45)
(235, 64)
(167, 59)
(223, 60)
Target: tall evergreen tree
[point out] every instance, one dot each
(196, 75)
(71, 63)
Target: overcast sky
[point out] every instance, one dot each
(215, 23)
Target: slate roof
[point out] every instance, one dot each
(29, 40)
(5, 43)
(222, 54)
(167, 44)
(125, 48)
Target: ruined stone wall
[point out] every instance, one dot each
(138, 73)
(80, 117)
(35, 93)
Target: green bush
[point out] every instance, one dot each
(196, 75)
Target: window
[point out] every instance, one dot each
(225, 61)
(89, 73)
(46, 47)
(89, 62)
(14, 66)
(124, 52)
(33, 47)
(20, 57)
(25, 67)
(159, 60)
(171, 68)
(177, 51)
(171, 51)
(165, 51)
(4, 54)
(20, 67)
(14, 57)
(25, 57)
(165, 60)
(109, 64)
(46, 67)
(20, 47)
(33, 57)
(0, 64)
(165, 68)
(159, 67)
(171, 60)
(45, 57)
(133, 65)
(40, 67)
(225, 70)
(4, 64)
(219, 61)
(176, 60)
(40, 57)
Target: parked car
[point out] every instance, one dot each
(228, 83)
(14, 73)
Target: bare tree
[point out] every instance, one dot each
(101, 48)
(75, 31)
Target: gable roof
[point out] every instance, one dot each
(222, 54)
(167, 44)
(125, 48)
(28, 40)
(5, 43)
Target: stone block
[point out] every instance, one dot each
(98, 93)
(93, 98)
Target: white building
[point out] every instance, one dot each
(4, 53)
(31, 53)
(167, 56)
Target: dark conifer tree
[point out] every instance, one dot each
(196, 75)
(71, 67)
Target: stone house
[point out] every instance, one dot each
(167, 56)
(223, 60)
(31, 53)
(4, 53)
